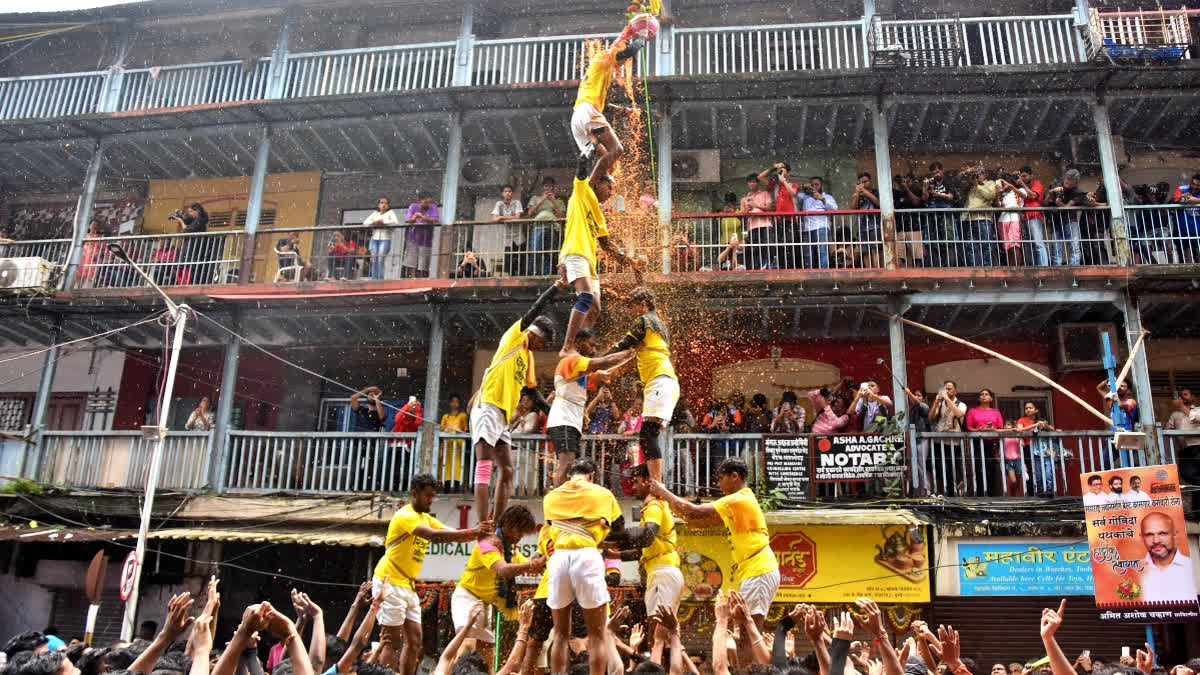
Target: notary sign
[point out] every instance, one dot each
(1141, 564)
(787, 465)
(857, 457)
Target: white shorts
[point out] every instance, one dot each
(584, 120)
(576, 574)
(461, 602)
(664, 587)
(402, 604)
(759, 592)
(488, 425)
(577, 268)
(659, 398)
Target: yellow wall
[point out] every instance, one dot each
(293, 197)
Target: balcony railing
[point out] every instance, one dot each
(169, 259)
(1021, 40)
(557, 58)
(833, 45)
(194, 84)
(369, 71)
(54, 250)
(46, 96)
(950, 464)
(1164, 234)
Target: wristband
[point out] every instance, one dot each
(287, 641)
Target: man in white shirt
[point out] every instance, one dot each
(1186, 417)
(1135, 496)
(1166, 573)
(817, 227)
(507, 209)
(1116, 488)
(1095, 495)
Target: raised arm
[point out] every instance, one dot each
(177, 622)
(538, 305)
(694, 514)
(450, 654)
(1051, 620)
(784, 626)
(609, 360)
(448, 535)
(632, 337)
(720, 650)
(361, 599)
(253, 618)
(635, 538)
(814, 628)
(316, 647)
(362, 636)
(283, 628)
(872, 622)
(517, 656)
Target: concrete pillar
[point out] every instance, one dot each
(433, 371)
(465, 48)
(258, 187)
(665, 63)
(83, 213)
(278, 72)
(662, 140)
(41, 403)
(449, 210)
(1082, 15)
(218, 469)
(883, 181)
(1112, 181)
(110, 99)
(1139, 372)
(899, 360)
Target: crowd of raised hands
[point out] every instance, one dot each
(739, 645)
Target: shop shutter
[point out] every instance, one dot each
(70, 615)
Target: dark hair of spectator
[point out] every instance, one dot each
(817, 178)
(119, 659)
(950, 382)
(546, 326)
(789, 396)
(1094, 478)
(580, 466)
(24, 642)
(731, 198)
(1196, 176)
(335, 647)
(548, 180)
(971, 665)
(648, 668)
(786, 166)
(641, 471)
(75, 652)
(752, 178)
(733, 465)
(506, 186)
(454, 396)
(46, 663)
(761, 669)
(990, 393)
(1037, 416)
(89, 663)
(934, 166)
(367, 668)
(199, 208)
(1025, 169)
(469, 663)
(866, 174)
(424, 195)
(759, 400)
(284, 667)
(585, 333)
(422, 481)
(384, 199)
(517, 517)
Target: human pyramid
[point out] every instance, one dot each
(582, 517)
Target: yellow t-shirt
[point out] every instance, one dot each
(653, 349)
(480, 580)
(507, 376)
(585, 224)
(748, 536)
(662, 551)
(545, 547)
(454, 422)
(405, 551)
(593, 88)
(579, 499)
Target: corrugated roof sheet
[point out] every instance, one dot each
(339, 537)
(51, 533)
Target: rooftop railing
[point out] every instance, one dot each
(369, 71)
(194, 84)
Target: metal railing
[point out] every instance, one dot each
(973, 464)
(557, 58)
(371, 70)
(831, 45)
(194, 84)
(991, 238)
(54, 250)
(1163, 234)
(274, 461)
(170, 259)
(121, 459)
(920, 43)
(835, 239)
(353, 256)
(517, 248)
(1021, 40)
(691, 467)
(39, 96)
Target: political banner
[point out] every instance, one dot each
(1141, 564)
(787, 465)
(853, 457)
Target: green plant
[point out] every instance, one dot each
(768, 499)
(20, 486)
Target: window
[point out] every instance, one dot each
(265, 219)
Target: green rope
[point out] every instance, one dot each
(649, 121)
(496, 645)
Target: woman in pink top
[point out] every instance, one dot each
(1013, 469)
(985, 417)
(826, 420)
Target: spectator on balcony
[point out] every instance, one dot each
(338, 252)
(979, 230)
(1031, 191)
(1009, 222)
(874, 407)
(759, 230)
(505, 210)
(1187, 225)
(422, 216)
(786, 197)
(685, 254)
(369, 417)
(471, 267)
(789, 416)
(985, 418)
(454, 421)
(382, 221)
(527, 418)
(193, 220)
(163, 258)
(545, 236)
(284, 247)
(90, 255)
(601, 412)
(816, 227)
(1038, 450)
(1186, 417)
(758, 417)
(737, 412)
(918, 416)
(827, 420)
(870, 240)
(1065, 230)
(201, 419)
(938, 193)
(730, 224)
(731, 257)
(906, 194)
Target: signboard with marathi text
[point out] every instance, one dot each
(1024, 568)
(787, 465)
(851, 457)
(1141, 562)
(819, 563)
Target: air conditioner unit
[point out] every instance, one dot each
(696, 166)
(1080, 344)
(486, 170)
(25, 272)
